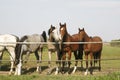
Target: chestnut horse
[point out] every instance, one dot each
(92, 49)
(68, 48)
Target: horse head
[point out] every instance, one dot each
(82, 34)
(53, 34)
(63, 30)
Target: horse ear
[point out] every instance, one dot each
(51, 25)
(60, 24)
(83, 28)
(65, 24)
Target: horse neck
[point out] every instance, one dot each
(65, 37)
(86, 38)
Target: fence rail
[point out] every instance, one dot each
(9, 43)
(67, 60)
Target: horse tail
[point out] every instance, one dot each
(97, 56)
(18, 49)
(44, 36)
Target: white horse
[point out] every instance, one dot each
(8, 42)
(53, 47)
(29, 48)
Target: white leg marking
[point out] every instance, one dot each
(56, 71)
(75, 67)
(86, 72)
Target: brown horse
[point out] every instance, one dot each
(92, 49)
(78, 54)
(68, 48)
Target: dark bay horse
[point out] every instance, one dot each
(69, 48)
(22, 49)
(92, 49)
(54, 47)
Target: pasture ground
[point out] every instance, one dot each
(110, 68)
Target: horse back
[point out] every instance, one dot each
(96, 47)
(8, 38)
(75, 38)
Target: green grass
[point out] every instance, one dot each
(111, 76)
(110, 68)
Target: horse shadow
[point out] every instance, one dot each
(93, 69)
(82, 69)
(33, 69)
(5, 67)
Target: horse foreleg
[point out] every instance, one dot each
(76, 62)
(86, 57)
(1, 55)
(91, 60)
(57, 62)
(49, 54)
(69, 62)
(63, 62)
(12, 58)
(49, 62)
(100, 61)
(80, 55)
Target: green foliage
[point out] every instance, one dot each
(111, 76)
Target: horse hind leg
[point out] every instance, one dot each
(95, 59)
(99, 59)
(39, 58)
(1, 55)
(57, 61)
(12, 58)
(26, 57)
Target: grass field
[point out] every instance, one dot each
(110, 68)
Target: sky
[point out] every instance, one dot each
(26, 17)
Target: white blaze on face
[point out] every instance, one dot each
(61, 29)
(60, 33)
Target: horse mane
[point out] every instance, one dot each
(23, 38)
(44, 36)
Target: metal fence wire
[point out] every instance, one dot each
(24, 43)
